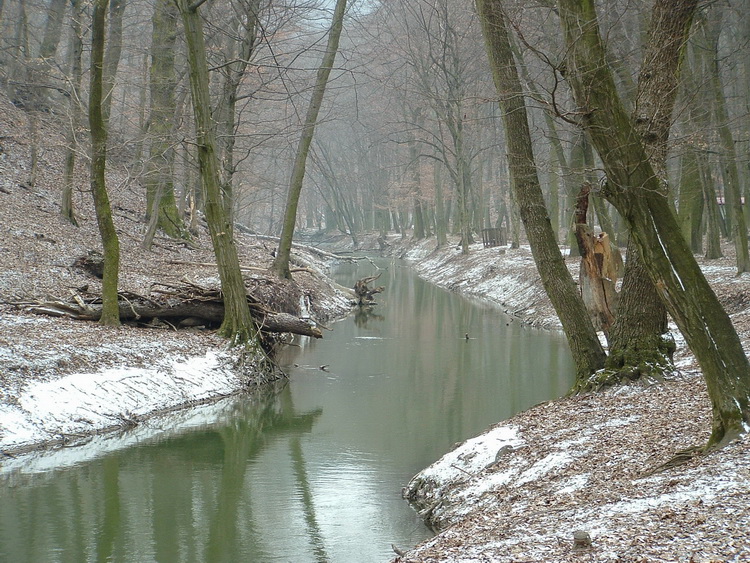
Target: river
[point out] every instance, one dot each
(310, 471)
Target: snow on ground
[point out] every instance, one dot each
(82, 403)
(585, 463)
(503, 276)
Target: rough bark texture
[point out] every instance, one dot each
(637, 346)
(691, 204)
(238, 325)
(598, 275)
(97, 124)
(182, 313)
(584, 343)
(634, 189)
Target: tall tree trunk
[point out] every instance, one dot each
(97, 124)
(239, 55)
(52, 29)
(441, 222)
(74, 109)
(582, 339)
(637, 346)
(112, 56)
(728, 158)
(691, 203)
(634, 188)
(281, 262)
(160, 198)
(238, 325)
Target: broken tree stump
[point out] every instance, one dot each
(598, 273)
(366, 295)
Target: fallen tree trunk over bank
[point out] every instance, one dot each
(180, 306)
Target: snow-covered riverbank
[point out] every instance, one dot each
(521, 490)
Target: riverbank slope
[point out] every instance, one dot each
(521, 490)
(62, 380)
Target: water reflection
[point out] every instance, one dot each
(308, 472)
(188, 498)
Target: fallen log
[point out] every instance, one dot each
(193, 309)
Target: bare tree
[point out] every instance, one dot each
(281, 261)
(238, 326)
(634, 188)
(582, 339)
(98, 126)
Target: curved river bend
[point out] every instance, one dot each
(311, 472)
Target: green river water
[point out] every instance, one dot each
(311, 471)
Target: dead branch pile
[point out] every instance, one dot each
(179, 306)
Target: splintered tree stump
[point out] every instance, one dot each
(598, 274)
(365, 294)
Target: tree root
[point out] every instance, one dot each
(679, 458)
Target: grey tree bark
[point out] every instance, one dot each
(161, 205)
(97, 124)
(238, 325)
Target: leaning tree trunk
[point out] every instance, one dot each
(238, 325)
(633, 188)
(281, 262)
(584, 343)
(111, 244)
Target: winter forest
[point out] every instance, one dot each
(409, 135)
(612, 134)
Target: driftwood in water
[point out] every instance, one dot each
(598, 274)
(366, 295)
(180, 306)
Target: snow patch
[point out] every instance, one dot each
(82, 403)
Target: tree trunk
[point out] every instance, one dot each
(634, 189)
(161, 205)
(584, 343)
(281, 262)
(239, 54)
(691, 200)
(728, 157)
(238, 325)
(598, 273)
(74, 108)
(52, 29)
(112, 56)
(111, 244)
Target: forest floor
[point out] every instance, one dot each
(64, 380)
(585, 463)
